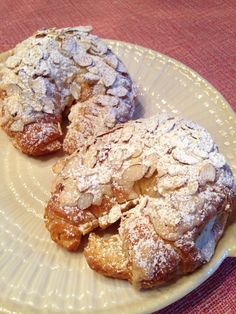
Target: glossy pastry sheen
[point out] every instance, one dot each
(43, 76)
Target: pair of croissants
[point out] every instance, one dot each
(162, 178)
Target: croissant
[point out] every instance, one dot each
(164, 179)
(44, 76)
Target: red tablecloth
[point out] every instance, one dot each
(199, 33)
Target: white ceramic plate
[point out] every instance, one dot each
(36, 276)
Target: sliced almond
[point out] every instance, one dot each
(185, 157)
(75, 90)
(137, 152)
(151, 161)
(118, 91)
(39, 85)
(121, 68)
(114, 214)
(207, 174)
(82, 59)
(98, 48)
(99, 89)
(127, 133)
(200, 153)
(85, 200)
(68, 198)
(217, 159)
(90, 162)
(42, 68)
(167, 126)
(111, 60)
(123, 185)
(59, 165)
(97, 198)
(90, 159)
(106, 189)
(70, 194)
(48, 105)
(190, 189)
(128, 153)
(13, 61)
(161, 168)
(134, 172)
(106, 100)
(108, 77)
(152, 125)
(13, 89)
(178, 169)
(92, 78)
(168, 183)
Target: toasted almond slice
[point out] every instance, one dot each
(86, 45)
(106, 189)
(75, 90)
(92, 78)
(111, 60)
(83, 59)
(217, 159)
(99, 89)
(192, 187)
(70, 194)
(151, 160)
(134, 172)
(168, 183)
(137, 152)
(68, 198)
(127, 133)
(184, 157)
(167, 126)
(59, 165)
(13, 61)
(97, 199)
(48, 105)
(85, 200)
(118, 91)
(109, 77)
(13, 89)
(90, 158)
(207, 173)
(178, 169)
(161, 168)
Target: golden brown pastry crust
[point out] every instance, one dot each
(43, 76)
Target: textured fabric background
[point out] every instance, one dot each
(199, 33)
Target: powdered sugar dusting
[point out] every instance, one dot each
(55, 68)
(161, 178)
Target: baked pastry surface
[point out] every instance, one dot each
(46, 74)
(166, 182)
